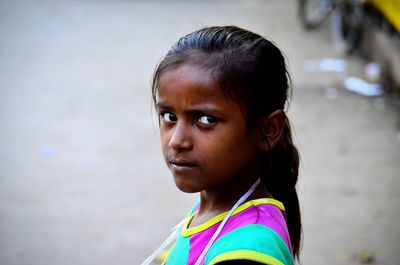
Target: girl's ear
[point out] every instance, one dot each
(271, 129)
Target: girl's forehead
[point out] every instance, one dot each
(187, 79)
(189, 86)
(188, 72)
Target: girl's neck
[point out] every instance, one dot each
(211, 205)
(222, 199)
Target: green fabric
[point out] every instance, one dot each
(252, 237)
(180, 251)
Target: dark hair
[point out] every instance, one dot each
(252, 70)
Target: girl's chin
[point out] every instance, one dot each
(186, 187)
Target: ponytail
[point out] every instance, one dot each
(280, 178)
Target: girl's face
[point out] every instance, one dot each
(205, 140)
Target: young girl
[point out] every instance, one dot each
(220, 94)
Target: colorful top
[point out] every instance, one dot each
(256, 231)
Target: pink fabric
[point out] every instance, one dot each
(264, 214)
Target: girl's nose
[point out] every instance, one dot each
(180, 138)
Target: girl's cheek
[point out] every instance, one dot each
(165, 138)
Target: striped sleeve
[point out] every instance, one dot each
(251, 242)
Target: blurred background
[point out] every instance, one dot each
(82, 179)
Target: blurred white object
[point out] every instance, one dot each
(373, 72)
(362, 87)
(325, 65)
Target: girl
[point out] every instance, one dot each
(220, 94)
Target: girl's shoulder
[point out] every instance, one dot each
(256, 232)
(253, 242)
(265, 212)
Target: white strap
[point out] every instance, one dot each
(237, 204)
(164, 244)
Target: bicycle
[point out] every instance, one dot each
(346, 20)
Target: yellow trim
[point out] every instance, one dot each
(246, 255)
(163, 256)
(186, 231)
(390, 10)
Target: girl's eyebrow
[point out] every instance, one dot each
(159, 105)
(204, 110)
(197, 110)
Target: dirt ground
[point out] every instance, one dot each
(82, 179)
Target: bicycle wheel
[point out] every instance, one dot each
(346, 26)
(313, 12)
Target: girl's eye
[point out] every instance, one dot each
(168, 117)
(207, 120)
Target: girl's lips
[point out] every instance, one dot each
(182, 164)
